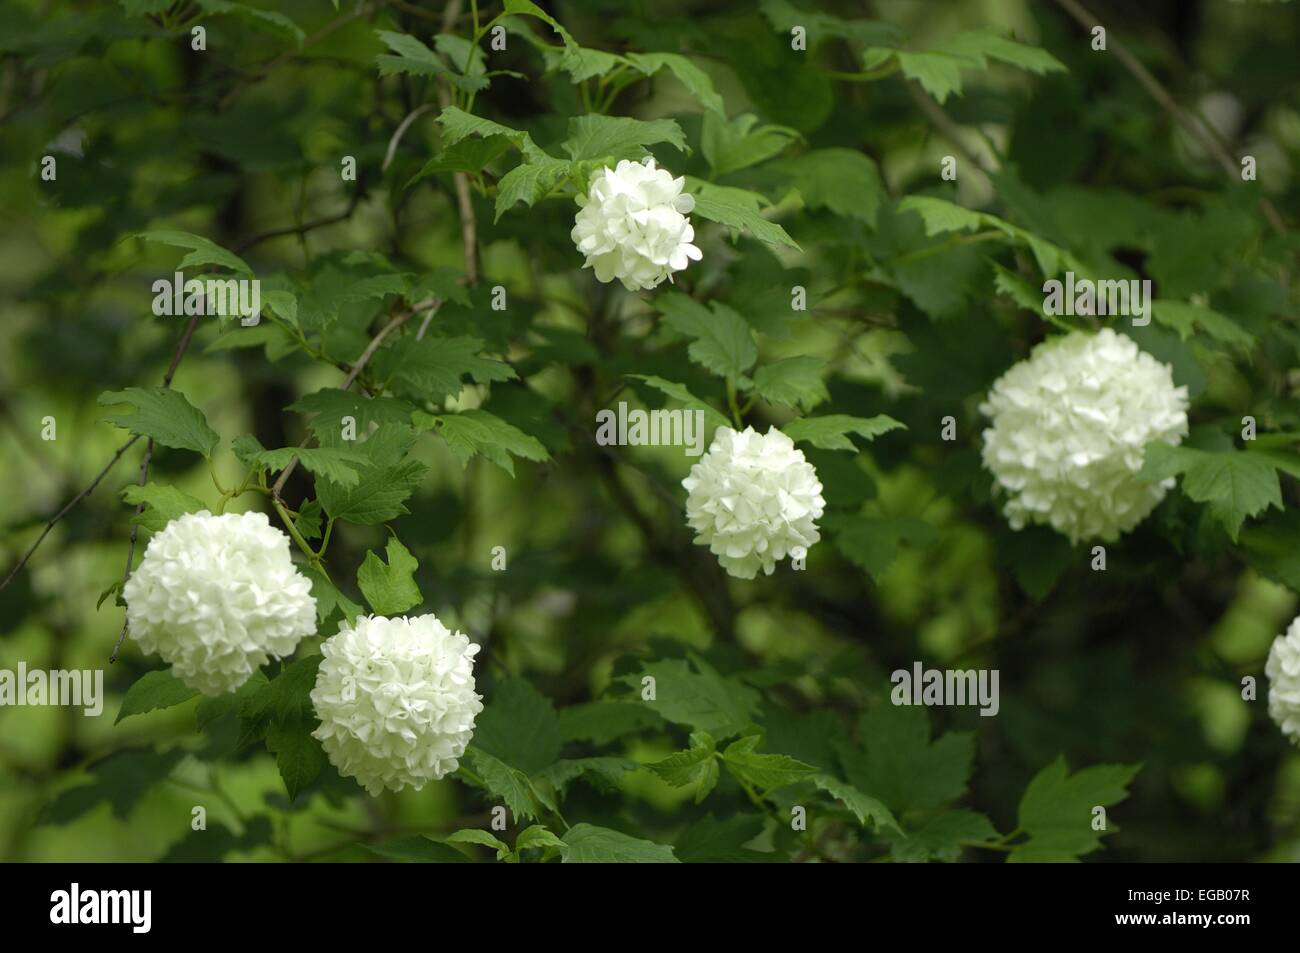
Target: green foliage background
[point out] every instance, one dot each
(816, 168)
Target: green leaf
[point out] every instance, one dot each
(942, 837)
(594, 136)
(710, 841)
(1057, 809)
(1186, 319)
(604, 721)
(330, 405)
(502, 781)
(536, 837)
(603, 773)
(763, 771)
(390, 589)
(897, 762)
(458, 124)
(830, 432)
(873, 543)
(519, 726)
(695, 695)
(476, 431)
(982, 44)
(695, 80)
(202, 251)
(383, 485)
(843, 181)
(1235, 483)
(698, 766)
(259, 19)
(328, 597)
(434, 368)
(730, 146)
(468, 155)
(165, 416)
(417, 849)
(336, 464)
(162, 504)
(528, 182)
(474, 835)
(792, 382)
(119, 779)
(298, 756)
(588, 844)
(738, 209)
(679, 392)
(864, 807)
(938, 73)
(721, 339)
(414, 58)
(152, 691)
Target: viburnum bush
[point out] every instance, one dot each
(353, 284)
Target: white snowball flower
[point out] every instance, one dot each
(753, 499)
(632, 225)
(1069, 425)
(218, 597)
(396, 700)
(1283, 671)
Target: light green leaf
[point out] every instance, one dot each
(843, 181)
(864, 807)
(723, 341)
(594, 136)
(741, 142)
(792, 382)
(695, 695)
(738, 209)
(830, 432)
(151, 691)
(695, 80)
(588, 844)
(1057, 809)
(476, 431)
(504, 782)
(1235, 483)
(698, 766)
(164, 415)
(390, 588)
(679, 392)
(763, 771)
(202, 250)
(162, 504)
(942, 837)
(529, 182)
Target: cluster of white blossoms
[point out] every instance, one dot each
(1283, 671)
(632, 225)
(753, 499)
(218, 597)
(1068, 427)
(396, 700)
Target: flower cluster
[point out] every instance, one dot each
(753, 499)
(1283, 671)
(218, 597)
(1068, 428)
(396, 700)
(632, 225)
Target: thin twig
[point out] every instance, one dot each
(67, 508)
(1212, 146)
(305, 227)
(400, 131)
(464, 203)
(353, 374)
